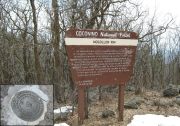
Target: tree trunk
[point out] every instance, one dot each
(25, 61)
(36, 53)
(58, 78)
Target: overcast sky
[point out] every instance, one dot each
(164, 7)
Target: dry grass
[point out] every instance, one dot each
(110, 102)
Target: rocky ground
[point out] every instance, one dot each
(150, 102)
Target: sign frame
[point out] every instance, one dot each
(117, 44)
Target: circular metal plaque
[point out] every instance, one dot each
(27, 105)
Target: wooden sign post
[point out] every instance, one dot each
(81, 105)
(98, 57)
(121, 102)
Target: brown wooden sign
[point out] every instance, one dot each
(99, 57)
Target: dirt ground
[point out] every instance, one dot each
(150, 105)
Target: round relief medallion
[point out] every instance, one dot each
(27, 105)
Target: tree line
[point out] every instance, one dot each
(32, 49)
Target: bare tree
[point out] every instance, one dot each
(30, 52)
(58, 69)
(38, 67)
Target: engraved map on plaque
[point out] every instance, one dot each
(27, 105)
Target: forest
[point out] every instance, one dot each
(32, 45)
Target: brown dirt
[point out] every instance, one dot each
(110, 102)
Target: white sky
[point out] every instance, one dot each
(164, 7)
